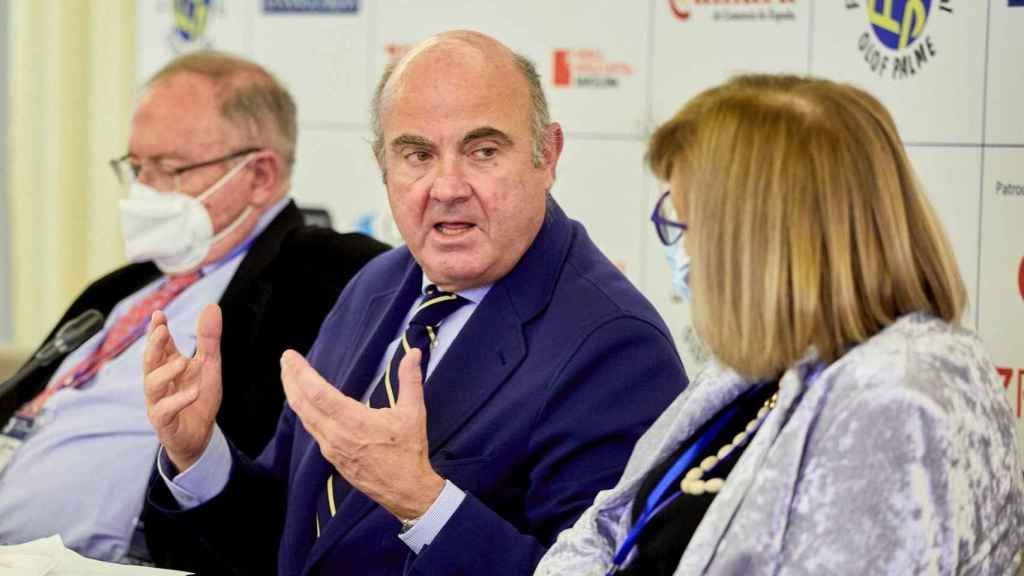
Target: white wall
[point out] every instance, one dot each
(631, 65)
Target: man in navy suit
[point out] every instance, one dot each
(543, 364)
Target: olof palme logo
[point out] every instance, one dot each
(897, 46)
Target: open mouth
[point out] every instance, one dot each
(453, 228)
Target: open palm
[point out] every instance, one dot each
(183, 394)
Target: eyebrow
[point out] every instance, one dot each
(487, 132)
(159, 158)
(411, 140)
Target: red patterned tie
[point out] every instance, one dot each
(121, 335)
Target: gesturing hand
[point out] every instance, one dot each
(383, 453)
(183, 394)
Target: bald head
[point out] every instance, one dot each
(469, 57)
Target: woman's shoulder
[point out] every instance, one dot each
(918, 352)
(921, 367)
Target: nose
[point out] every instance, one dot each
(449, 186)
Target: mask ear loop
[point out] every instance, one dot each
(219, 184)
(222, 181)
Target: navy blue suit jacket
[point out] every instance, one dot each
(533, 410)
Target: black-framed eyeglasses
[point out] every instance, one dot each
(128, 172)
(665, 224)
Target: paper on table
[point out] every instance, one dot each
(49, 557)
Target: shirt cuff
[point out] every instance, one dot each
(204, 479)
(430, 524)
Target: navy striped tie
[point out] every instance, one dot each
(422, 334)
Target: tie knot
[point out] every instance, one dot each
(436, 306)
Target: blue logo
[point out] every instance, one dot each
(899, 23)
(310, 6)
(364, 223)
(190, 18)
(1016, 3)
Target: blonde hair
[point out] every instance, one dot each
(807, 225)
(251, 98)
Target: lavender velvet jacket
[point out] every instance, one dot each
(900, 458)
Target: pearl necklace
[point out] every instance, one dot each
(693, 482)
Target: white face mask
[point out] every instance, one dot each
(679, 261)
(172, 229)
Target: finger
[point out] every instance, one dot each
(410, 378)
(310, 387)
(157, 383)
(170, 349)
(159, 349)
(208, 333)
(155, 319)
(164, 412)
(310, 416)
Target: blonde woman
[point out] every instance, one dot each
(848, 424)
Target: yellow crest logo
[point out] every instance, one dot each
(190, 18)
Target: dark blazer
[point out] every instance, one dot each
(277, 299)
(533, 410)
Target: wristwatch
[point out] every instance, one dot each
(407, 524)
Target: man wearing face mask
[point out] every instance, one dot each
(207, 219)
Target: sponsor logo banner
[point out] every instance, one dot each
(310, 6)
(588, 68)
(1009, 189)
(896, 43)
(734, 10)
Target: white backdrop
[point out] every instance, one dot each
(948, 70)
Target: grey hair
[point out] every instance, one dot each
(540, 118)
(251, 98)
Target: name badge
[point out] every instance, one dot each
(14, 434)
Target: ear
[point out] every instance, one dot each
(267, 169)
(553, 151)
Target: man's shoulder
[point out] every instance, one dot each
(314, 241)
(593, 281)
(124, 280)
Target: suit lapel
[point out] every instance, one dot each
(484, 354)
(492, 345)
(384, 315)
(381, 322)
(488, 349)
(246, 295)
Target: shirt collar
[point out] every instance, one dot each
(474, 295)
(265, 219)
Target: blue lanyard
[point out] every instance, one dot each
(654, 504)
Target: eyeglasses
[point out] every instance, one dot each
(665, 223)
(128, 172)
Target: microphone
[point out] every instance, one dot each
(70, 336)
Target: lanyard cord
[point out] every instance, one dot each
(654, 504)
